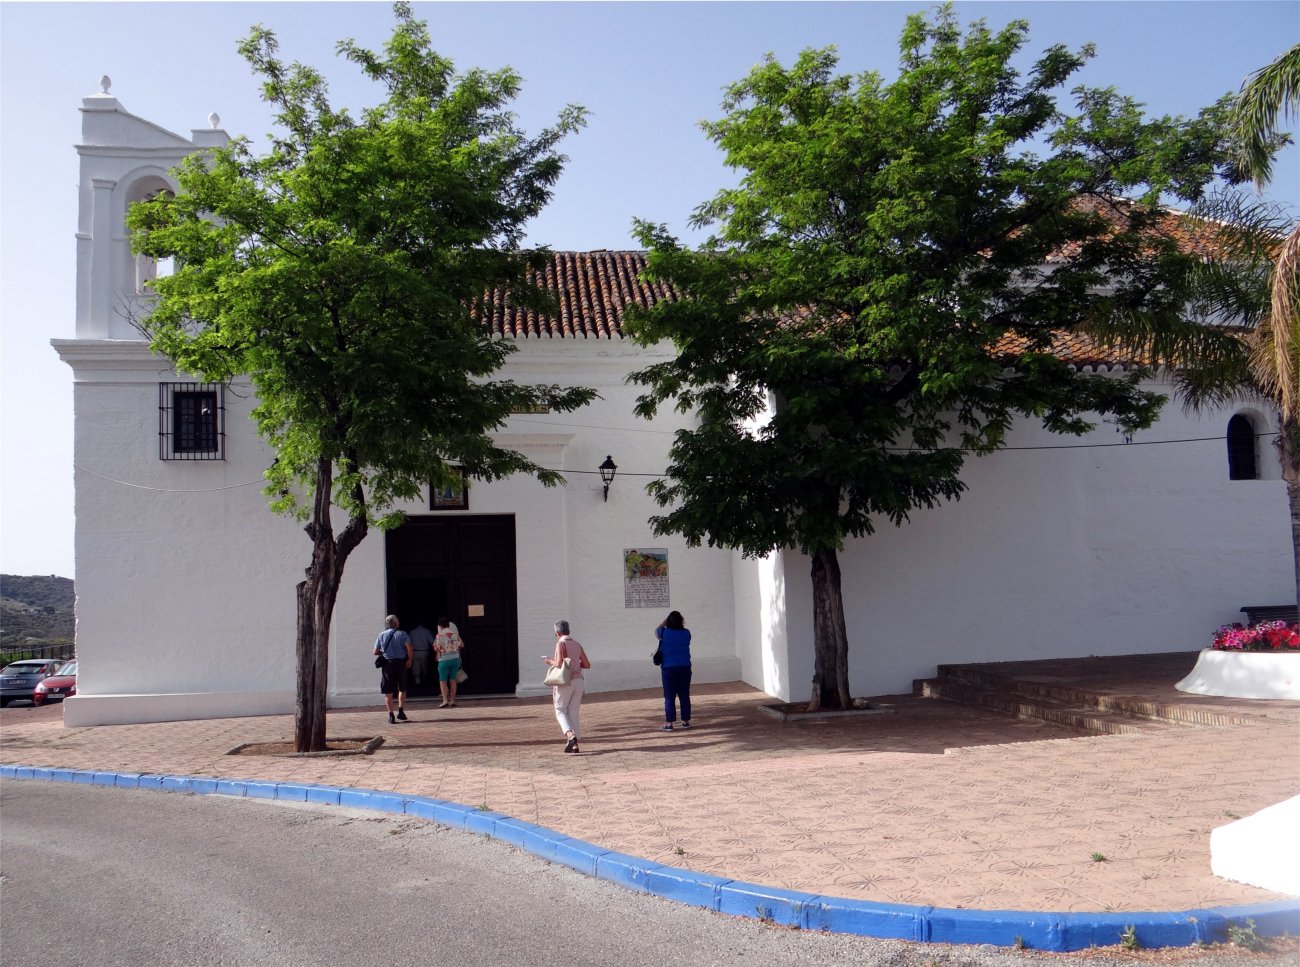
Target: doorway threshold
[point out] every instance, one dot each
(435, 699)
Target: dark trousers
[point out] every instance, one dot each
(392, 677)
(677, 687)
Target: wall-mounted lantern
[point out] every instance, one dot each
(607, 470)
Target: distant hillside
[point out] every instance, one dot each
(36, 609)
(38, 591)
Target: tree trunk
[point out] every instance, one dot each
(830, 639)
(316, 597)
(1289, 444)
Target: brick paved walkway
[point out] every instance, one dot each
(931, 803)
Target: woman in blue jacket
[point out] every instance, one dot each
(675, 645)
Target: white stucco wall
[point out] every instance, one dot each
(1061, 552)
(183, 576)
(186, 579)
(618, 639)
(569, 541)
(1244, 674)
(1261, 850)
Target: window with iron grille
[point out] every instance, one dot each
(191, 421)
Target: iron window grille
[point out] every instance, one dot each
(191, 421)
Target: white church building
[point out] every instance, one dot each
(1062, 546)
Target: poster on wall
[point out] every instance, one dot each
(645, 577)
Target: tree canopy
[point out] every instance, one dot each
(340, 272)
(887, 286)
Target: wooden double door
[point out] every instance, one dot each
(463, 568)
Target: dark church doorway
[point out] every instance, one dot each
(463, 568)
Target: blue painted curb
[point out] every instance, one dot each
(807, 911)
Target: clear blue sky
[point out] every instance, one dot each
(648, 72)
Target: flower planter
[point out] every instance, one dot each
(1245, 674)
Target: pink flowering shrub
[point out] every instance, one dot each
(1265, 636)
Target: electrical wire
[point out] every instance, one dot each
(164, 490)
(591, 426)
(661, 475)
(1082, 446)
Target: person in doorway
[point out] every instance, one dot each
(393, 647)
(421, 652)
(675, 672)
(568, 698)
(448, 645)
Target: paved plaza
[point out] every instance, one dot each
(925, 803)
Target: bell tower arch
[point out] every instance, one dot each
(124, 159)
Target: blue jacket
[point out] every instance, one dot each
(676, 646)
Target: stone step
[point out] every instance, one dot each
(1043, 709)
(978, 677)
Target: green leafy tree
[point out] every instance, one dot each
(340, 272)
(884, 289)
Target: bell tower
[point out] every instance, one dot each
(124, 159)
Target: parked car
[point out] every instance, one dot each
(18, 679)
(62, 684)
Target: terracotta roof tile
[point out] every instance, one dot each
(1072, 347)
(594, 290)
(1195, 235)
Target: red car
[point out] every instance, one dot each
(58, 686)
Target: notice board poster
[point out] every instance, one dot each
(645, 577)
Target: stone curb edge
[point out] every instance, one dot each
(807, 911)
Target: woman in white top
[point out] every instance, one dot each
(568, 698)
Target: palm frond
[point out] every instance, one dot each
(1275, 344)
(1269, 92)
(1231, 285)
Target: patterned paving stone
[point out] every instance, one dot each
(932, 804)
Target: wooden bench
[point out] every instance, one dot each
(1270, 612)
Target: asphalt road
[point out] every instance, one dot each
(104, 877)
